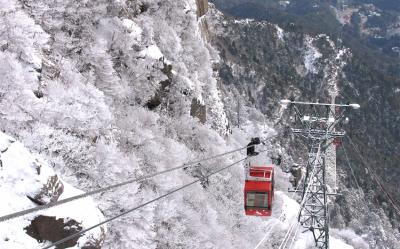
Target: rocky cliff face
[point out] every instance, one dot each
(202, 7)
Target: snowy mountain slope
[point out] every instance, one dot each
(78, 87)
(25, 181)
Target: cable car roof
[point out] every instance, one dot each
(260, 173)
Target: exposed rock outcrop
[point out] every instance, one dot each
(49, 228)
(202, 7)
(50, 191)
(198, 110)
(45, 228)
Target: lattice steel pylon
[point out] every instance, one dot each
(318, 125)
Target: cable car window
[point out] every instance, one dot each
(257, 199)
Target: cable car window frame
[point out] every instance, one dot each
(265, 200)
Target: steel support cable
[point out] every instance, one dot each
(354, 175)
(267, 233)
(376, 178)
(351, 168)
(287, 235)
(105, 189)
(280, 216)
(308, 185)
(140, 206)
(294, 237)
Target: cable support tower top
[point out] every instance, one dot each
(317, 123)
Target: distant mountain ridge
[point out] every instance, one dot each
(373, 27)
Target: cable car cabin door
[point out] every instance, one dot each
(259, 190)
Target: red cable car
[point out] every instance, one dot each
(337, 142)
(259, 190)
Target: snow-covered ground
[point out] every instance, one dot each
(24, 175)
(311, 56)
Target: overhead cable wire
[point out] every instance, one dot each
(290, 230)
(351, 168)
(138, 207)
(279, 218)
(376, 178)
(307, 188)
(268, 232)
(354, 176)
(105, 189)
(294, 237)
(287, 235)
